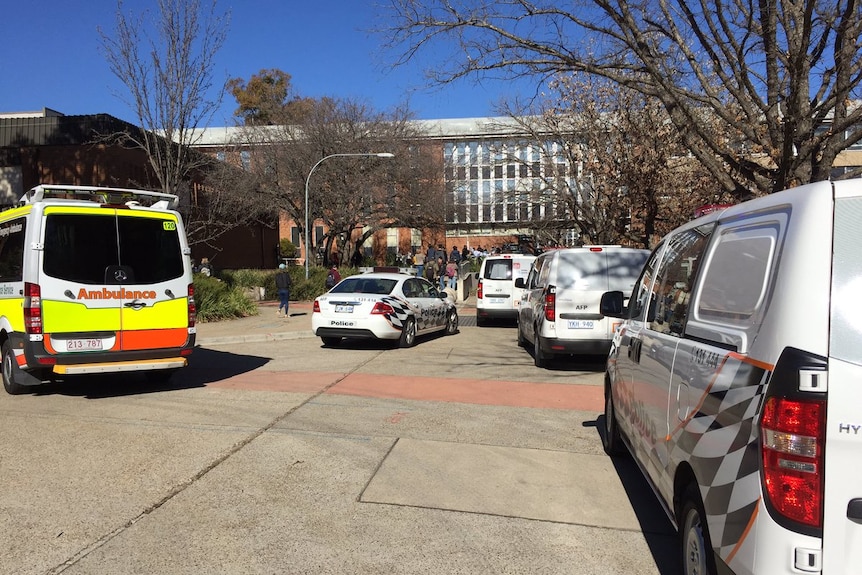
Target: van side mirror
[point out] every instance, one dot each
(612, 304)
(520, 283)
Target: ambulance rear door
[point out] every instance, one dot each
(113, 279)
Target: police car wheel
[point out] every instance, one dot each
(695, 543)
(408, 333)
(452, 322)
(331, 341)
(611, 440)
(11, 371)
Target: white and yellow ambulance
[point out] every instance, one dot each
(93, 280)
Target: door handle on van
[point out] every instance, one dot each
(635, 345)
(854, 510)
(136, 305)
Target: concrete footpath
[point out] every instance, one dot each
(268, 326)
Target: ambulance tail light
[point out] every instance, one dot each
(479, 289)
(192, 307)
(32, 308)
(551, 304)
(793, 441)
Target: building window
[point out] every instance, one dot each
(245, 159)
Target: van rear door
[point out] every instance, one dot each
(842, 527)
(112, 280)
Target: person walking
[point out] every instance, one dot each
(452, 274)
(441, 272)
(419, 262)
(282, 284)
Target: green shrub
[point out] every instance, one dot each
(216, 300)
(288, 250)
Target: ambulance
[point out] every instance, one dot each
(93, 280)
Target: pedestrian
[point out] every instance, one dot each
(455, 256)
(419, 262)
(466, 253)
(206, 268)
(431, 254)
(282, 284)
(356, 258)
(332, 278)
(432, 271)
(441, 272)
(452, 274)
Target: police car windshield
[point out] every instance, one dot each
(359, 284)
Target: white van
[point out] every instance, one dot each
(735, 381)
(93, 280)
(559, 312)
(496, 294)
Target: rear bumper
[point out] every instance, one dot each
(496, 313)
(552, 345)
(354, 333)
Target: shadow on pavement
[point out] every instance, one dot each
(657, 529)
(205, 366)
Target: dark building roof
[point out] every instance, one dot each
(17, 132)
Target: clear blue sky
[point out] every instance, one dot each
(53, 58)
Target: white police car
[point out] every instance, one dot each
(388, 306)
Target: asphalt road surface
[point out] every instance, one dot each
(455, 456)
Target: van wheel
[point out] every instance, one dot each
(11, 371)
(480, 321)
(611, 440)
(452, 322)
(408, 333)
(540, 358)
(695, 542)
(331, 341)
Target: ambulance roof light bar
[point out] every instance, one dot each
(102, 195)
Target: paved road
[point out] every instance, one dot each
(271, 454)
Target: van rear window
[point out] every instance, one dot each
(84, 248)
(498, 270)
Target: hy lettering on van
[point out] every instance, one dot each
(121, 293)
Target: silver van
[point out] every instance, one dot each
(559, 311)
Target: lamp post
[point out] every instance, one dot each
(308, 179)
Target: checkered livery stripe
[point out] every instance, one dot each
(720, 441)
(426, 319)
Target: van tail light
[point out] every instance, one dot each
(381, 308)
(793, 441)
(316, 307)
(551, 304)
(479, 290)
(192, 307)
(32, 308)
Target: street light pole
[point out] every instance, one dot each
(308, 179)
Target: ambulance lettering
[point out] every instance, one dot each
(121, 293)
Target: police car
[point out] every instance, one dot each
(387, 306)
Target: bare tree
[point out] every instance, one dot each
(780, 76)
(348, 192)
(166, 65)
(630, 179)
